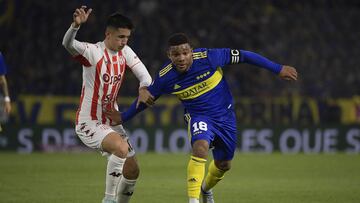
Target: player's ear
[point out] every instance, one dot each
(108, 31)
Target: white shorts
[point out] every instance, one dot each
(92, 133)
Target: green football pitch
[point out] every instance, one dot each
(79, 177)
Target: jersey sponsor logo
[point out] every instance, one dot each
(201, 88)
(111, 79)
(108, 99)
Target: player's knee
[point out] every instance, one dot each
(121, 149)
(200, 149)
(223, 165)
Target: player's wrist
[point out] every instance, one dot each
(142, 88)
(7, 99)
(75, 25)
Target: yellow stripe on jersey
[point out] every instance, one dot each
(188, 120)
(187, 117)
(201, 88)
(165, 70)
(199, 55)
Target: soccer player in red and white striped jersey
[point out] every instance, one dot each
(104, 65)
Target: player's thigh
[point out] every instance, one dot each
(114, 143)
(92, 133)
(200, 128)
(225, 141)
(224, 165)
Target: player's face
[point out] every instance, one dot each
(117, 38)
(181, 56)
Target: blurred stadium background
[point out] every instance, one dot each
(319, 114)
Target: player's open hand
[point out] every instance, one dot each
(114, 115)
(145, 97)
(288, 73)
(80, 15)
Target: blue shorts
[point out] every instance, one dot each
(219, 133)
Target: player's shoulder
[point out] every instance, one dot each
(165, 69)
(200, 53)
(128, 51)
(97, 47)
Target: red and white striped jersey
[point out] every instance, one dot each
(103, 73)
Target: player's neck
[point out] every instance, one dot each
(108, 47)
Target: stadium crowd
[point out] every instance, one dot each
(320, 38)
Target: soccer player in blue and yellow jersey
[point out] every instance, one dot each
(196, 78)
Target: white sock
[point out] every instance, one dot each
(113, 175)
(125, 190)
(193, 200)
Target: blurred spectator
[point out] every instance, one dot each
(4, 85)
(320, 38)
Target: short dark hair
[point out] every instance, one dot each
(177, 39)
(117, 20)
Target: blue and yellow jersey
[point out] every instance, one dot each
(202, 89)
(3, 69)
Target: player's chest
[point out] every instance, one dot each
(194, 77)
(112, 70)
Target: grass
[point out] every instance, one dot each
(72, 177)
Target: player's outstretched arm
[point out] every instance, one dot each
(288, 73)
(145, 97)
(148, 95)
(260, 61)
(118, 117)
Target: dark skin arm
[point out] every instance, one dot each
(144, 97)
(288, 73)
